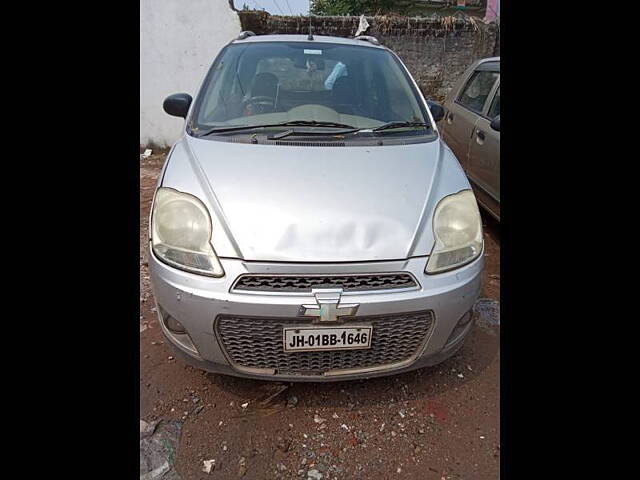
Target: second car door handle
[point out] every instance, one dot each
(480, 134)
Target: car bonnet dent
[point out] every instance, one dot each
(310, 204)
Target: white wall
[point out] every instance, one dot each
(178, 41)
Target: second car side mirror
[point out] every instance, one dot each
(436, 110)
(495, 123)
(177, 104)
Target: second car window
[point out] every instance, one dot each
(477, 90)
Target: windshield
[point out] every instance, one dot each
(276, 82)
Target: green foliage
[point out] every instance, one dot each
(355, 7)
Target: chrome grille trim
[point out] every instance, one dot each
(303, 284)
(254, 344)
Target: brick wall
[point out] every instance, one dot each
(436, 51)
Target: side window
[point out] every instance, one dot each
(475, 93)
(495, 106)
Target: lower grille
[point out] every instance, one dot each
(256, 343)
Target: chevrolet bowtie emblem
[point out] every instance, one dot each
(328, 307)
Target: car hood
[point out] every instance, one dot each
(314, 204)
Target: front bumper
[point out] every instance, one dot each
(195, 301)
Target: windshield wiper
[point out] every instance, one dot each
(315, 123)
(290, 123)
(390, 125)
(298, 133)
(386, 126)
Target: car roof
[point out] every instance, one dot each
(491, 64)
(304, 38)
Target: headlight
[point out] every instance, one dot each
(181, 233)
(457, 228)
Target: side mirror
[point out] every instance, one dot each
(177, 104)
(436, 110)
(495, 123)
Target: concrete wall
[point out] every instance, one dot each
(435, 50)
(178, 41)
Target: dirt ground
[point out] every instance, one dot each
(436, 423)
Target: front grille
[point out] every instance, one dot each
(256, 342)
(304, 283)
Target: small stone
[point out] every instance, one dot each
(209, 466)
(460, 375)
(170, 358)
(292, 401)
(318, 419)
(314, 474)
(242, 466)
(245, 405)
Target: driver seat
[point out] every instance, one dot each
(265, 84)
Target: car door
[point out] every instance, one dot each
(457, 124)
(464, 109)
(483, 164)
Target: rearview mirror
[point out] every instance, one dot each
(495, 123)
(436, 110)
(177, 104)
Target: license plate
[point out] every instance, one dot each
(327, 338)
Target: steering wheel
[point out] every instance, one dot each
(260, 104)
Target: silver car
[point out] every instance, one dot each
(471, 127)
(310, 224)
